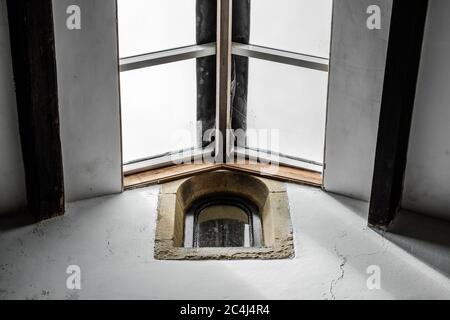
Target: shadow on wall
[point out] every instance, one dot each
(15, 220)
(425, 237)
(12, 182)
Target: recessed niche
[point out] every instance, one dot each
(223, 215)
(222, 221)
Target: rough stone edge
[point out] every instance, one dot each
(164, 249)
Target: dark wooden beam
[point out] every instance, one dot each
(402, 67)
(223, 113)
(33, 55)
(239, 71)
(206, 12)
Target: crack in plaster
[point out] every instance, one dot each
(341, 276)
(108, 244)
(344, 259)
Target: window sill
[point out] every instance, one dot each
(175, 172)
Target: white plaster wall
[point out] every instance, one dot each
(12, 177)
(358, 58)
(111, 239)
(427, 179)
(88, 87)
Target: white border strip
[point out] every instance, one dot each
(168, 56)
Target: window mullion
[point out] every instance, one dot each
(223, 113)
(240, 66)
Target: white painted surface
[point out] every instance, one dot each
(427, 179)
(12, 176)
(111, 239)
(358, 58)
(88, 87)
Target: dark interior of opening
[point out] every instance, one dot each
(223, 220)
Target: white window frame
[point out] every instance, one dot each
(210, 49)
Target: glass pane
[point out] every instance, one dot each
(302, 26)
(292, 101)
(158, 109)
(223, 226)
(154, 25)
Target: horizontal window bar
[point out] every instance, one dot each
(268, 156)
(168, 159)
(167, 56)
(282, 155)
(296, 59)
(193, 154)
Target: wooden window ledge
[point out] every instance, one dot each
(176, 172)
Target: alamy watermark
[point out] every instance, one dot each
(374, 20)
(73, 281)
(374, 280)
(73, 21)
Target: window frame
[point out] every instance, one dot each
(224, 49)
(191, 226)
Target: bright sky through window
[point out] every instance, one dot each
(154, 25)
(159, 103)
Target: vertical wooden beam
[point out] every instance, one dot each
(33, 54)
(206, 67)
(223, 114)
(402, 67)
(239, 88)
